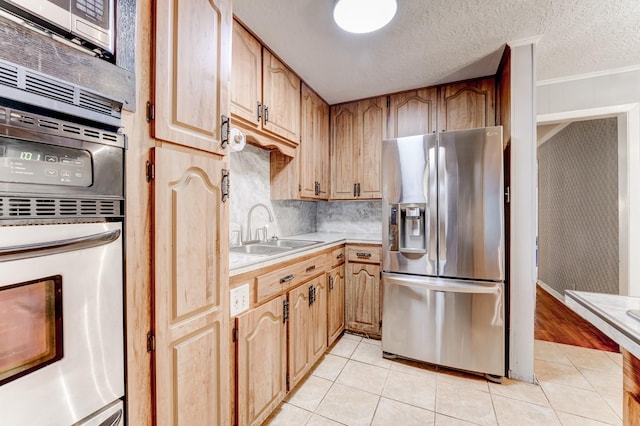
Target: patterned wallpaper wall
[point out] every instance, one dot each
(578, 208)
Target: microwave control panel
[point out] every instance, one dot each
(36, 163)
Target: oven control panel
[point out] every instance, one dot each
(33, 162)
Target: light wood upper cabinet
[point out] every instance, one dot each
(192, 72)
(306, 176)
(335, 304)
(191, 289)
(467, 105)
(280, 98)
(265, 95)
(412, 113)
(262, 362)
(357, 131)
(345, 150)
(246, 92)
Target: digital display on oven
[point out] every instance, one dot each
(33, 162)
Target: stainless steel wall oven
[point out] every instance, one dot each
(61, 269)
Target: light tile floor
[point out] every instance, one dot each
(354, 385)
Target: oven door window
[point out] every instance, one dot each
(30, 326)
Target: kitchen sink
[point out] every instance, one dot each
(260, 249)
(272, 247)
(289, 243)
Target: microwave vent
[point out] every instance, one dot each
(94, 102)
(29, 82)
(33, 208)
(49, 87)
(8, 75)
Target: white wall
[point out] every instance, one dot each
(523, 212)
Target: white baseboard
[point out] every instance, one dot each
(551, 291)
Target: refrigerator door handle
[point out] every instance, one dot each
(432, 199)
(448, 285)
(442, 206)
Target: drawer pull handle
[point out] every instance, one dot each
(361, 254)
(310, 268)
(287, 278)
(340, 256)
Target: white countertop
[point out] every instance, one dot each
(608, 313)
(241, 263)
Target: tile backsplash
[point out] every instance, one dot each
(250, 185)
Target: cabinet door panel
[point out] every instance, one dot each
(335, 306)
(322, 149)
(281, 95)
(299, 323)
(373, 119)
(467, 105)
(262, 362)
(363, 298)
(246, 76)
(412, 113)
(310, 104)
(191, 306)
(192, 65)
(318, 342)
(344, 150)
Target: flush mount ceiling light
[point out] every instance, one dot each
(363, 16)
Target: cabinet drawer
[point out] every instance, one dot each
(364, 254)
(337, 257)
(281, 279)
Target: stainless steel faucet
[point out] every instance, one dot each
(249, 237)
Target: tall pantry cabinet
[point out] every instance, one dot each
(187, 171)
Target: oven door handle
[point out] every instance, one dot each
(55, 247)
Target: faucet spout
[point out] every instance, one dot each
(271, 219)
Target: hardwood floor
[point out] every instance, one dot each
(557, 323)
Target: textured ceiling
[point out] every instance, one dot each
(438, 41)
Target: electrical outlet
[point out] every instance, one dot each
(239, 299)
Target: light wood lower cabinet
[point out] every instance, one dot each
(191, 288)
(307, 327)
(262, 361)
(335, 304)
(362, 290)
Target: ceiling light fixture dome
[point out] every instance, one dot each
(363, 16)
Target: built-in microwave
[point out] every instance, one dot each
(89, 22)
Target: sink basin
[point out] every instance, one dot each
(289, 243)
(259, 249)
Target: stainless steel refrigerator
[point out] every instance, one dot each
(443, 249)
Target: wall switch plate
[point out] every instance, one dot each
(239, 299)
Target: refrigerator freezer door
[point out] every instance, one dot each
(454, 323)
(409, 205)
(470, 196)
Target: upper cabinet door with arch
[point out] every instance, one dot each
(246, 81)
(412, 113)
(281, 98)
(192, 70)
(467, 105)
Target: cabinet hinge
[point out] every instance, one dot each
(151, 342)
(299, 187)
(224, 132)
(388, 101)
(330, 283)
(151, 171)
(235, 334)
(288, 379)
(285, 311)
(380, 324)
(311, 295)
(225, 185)
(507, 195)
(151, 112)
